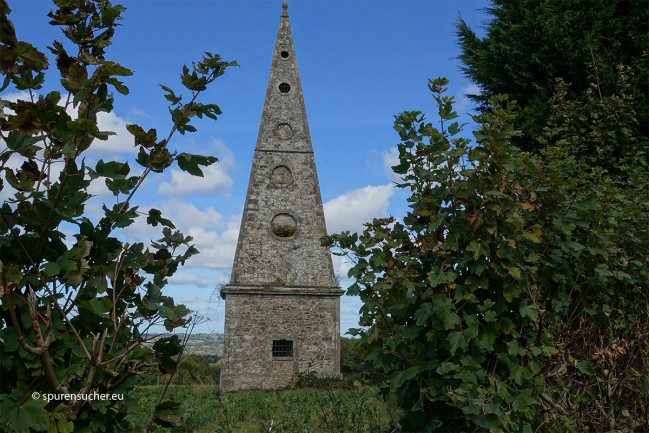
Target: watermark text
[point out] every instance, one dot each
(94, 396)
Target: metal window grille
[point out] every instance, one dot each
(284, 87)
(282, 348)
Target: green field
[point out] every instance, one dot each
(205, 409)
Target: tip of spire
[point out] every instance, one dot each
(285, 8)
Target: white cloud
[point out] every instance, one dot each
(137, 112)
(122, 142)
(17, 96)
(216, 249)
(342, 265)
(390, 159)
(186, 216)
(189, 299)
(463, 103)
(215, 239)
(349, 312)
(215, 177)
(184, 279)
(98, 188)
(350, 210)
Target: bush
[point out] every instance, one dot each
(514, 295)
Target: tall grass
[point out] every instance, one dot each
(308, 410)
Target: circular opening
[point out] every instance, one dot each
(281, 175)
(284, 87)
(283, 225)
(284, 54)
(283, 131)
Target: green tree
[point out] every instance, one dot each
(352, 356)
(513, 296)
(77, 309)
(529, 44)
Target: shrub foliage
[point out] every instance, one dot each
(528, 44)
(513, 296)
(77, 301)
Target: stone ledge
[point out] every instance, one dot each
(258, 289)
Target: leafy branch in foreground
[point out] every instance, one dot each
(77, 302)
(513, 296)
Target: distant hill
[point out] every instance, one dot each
(199, 344)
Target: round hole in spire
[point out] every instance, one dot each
(283, 225)
(284, 88)
(281, 176)
(284, 54)
(283, 131)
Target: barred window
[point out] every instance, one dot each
(282, 348)
(284, 87)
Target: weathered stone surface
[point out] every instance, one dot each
(254, 321)
(282, 285)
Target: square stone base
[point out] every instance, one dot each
(254, 319)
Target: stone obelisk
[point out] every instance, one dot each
(282, 306)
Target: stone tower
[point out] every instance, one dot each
(282, 306)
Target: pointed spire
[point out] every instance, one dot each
(284, 123)
(285, 9)
(283, 195)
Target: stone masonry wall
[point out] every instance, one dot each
(282, 285)
(262, 257)
(253, 321)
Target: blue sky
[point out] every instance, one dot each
(361, 62)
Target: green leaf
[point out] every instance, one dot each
(535, 236)
(602, 269)
(100, 306)
(486, 339)
(122, 186)
(170, 95)
(168, 414)
(166, 350)
(451, 321)
(530, 311)
(520, 373)
(12, 274)
(146, 139)
(67, 265)
(574, 245)
(436, 278)
(51, 269)
(586, 367)
(457, 341)
(514, 272)
(412, 372)
(31, 415)
(155, 218)
(189, 163)
(474, 247)
(396, 380)
(447, 367)
(112, 169)
(490, 316)
(423, 313)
